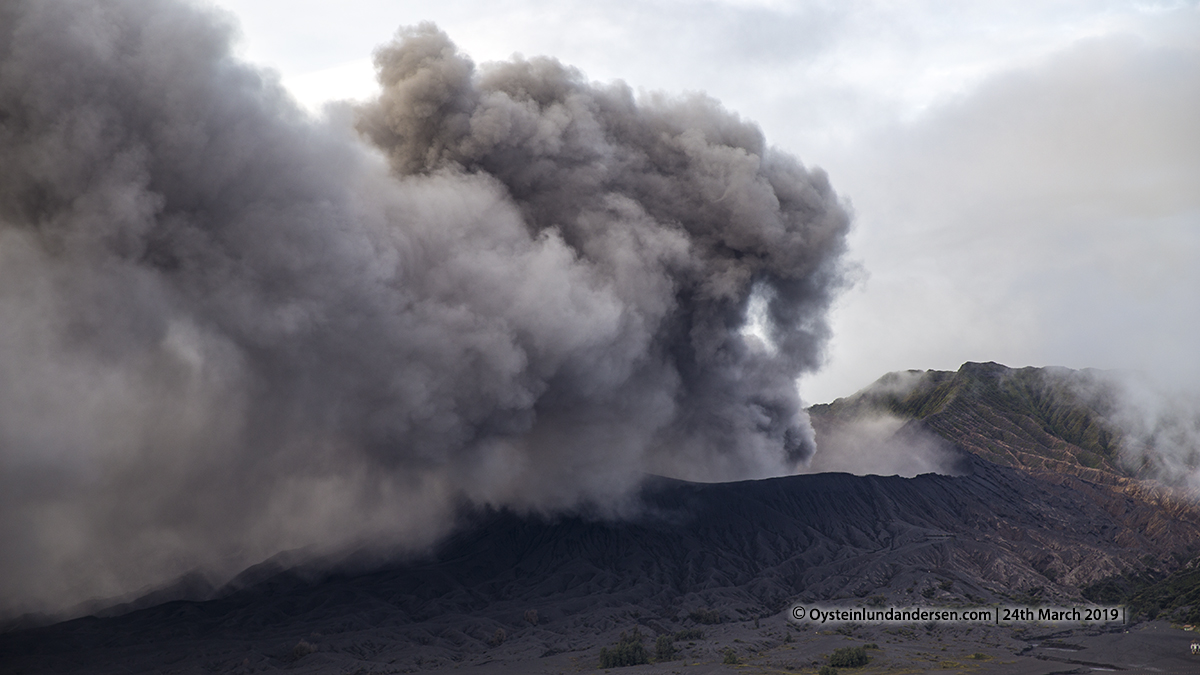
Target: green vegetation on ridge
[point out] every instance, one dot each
(1150, 594)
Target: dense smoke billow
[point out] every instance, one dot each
(228, 329)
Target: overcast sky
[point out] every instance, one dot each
(1025, 176)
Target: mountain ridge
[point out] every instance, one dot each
(1035, 418)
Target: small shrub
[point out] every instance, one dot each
(980, 656)
(303, 648)
(827, 670)
(689, 634)
(707, 617)
(629, 651)
(730, 656)
(498, 637)
(664, 648)
(531, 616)
(877, 601)
(928, 592)
(849, 657)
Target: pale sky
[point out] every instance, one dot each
(1025, 176)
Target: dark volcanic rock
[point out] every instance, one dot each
(743, 549)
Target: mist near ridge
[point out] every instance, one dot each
(1094, 423)
(1158, 424)
(880, 444)
(228, 329)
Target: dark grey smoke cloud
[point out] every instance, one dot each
(228, 330)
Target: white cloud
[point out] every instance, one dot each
(1052, 216)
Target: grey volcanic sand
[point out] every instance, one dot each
(1149, 648)
(1152, 647)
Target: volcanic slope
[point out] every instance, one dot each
(1036, 418)
(512, 588)
(1055, 421)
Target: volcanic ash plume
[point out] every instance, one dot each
(228, 330)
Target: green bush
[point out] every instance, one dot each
(827, 670)
(689, 634)
(628, 651)
(707, 617)
(730, 656)
(664, 648)
(849, 657)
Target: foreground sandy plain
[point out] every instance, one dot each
(1151, 647)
